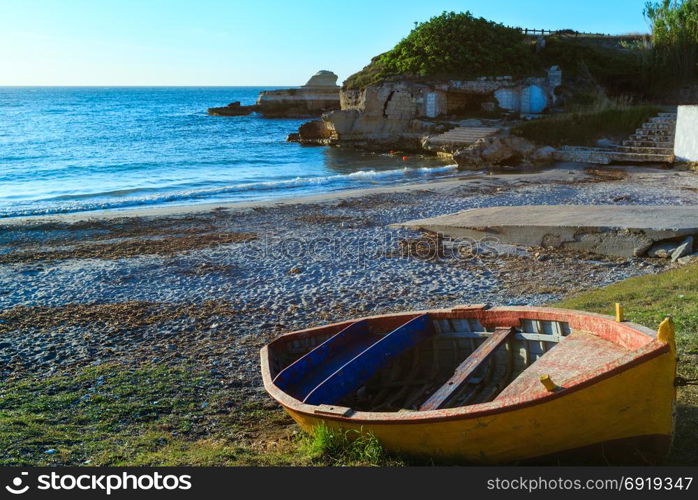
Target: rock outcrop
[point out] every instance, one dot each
(400, 113)
(319, 95)
(502, 151)
(232, 109)
(322, 79)
(312, 132)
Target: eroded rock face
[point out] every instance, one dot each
(496, 150)
(395, 111)
(379, 116)
(546, 154)
(323, 78)
(298, 103)
(312, 132)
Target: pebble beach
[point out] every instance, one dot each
(210, 285)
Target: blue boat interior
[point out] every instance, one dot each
(424, 364)
(344, 362)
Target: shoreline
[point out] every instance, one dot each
(558, 173)
(287, 264)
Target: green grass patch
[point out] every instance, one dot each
(648, 300)
(160, 416)
(585, 128)
(157, 415)
(336, 447)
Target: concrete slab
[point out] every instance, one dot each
(621, 231)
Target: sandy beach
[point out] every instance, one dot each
(212, 284)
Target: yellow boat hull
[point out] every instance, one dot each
(622, 413)
(633, 408)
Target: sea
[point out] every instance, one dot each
(78, 149)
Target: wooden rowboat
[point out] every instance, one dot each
(481, 385)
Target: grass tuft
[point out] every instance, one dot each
(337, 447)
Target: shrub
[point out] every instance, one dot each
(452, 45)
(460, 44)
(615, 68)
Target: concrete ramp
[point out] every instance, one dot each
(621, 231)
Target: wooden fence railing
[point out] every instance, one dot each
(576, 34)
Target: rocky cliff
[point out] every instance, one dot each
(319, 95)
(403, 113)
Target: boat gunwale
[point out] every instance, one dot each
(633, 358)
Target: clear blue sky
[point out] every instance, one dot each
(235, 42)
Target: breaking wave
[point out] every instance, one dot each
(251, 191)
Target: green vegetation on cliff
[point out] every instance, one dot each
(452, 44)
(597, 61)
(462, 46)
(584, 128)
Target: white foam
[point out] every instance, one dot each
(204, 193)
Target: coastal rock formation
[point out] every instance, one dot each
(313, 132)
(232, 109)
(499, 150)
(323, 79)
(404, 111)
(319, 95)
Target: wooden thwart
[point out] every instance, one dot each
(467, 368)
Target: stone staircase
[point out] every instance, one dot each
(459, 137)
(653, 142)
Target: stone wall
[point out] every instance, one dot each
(401, 105)
(686, 142)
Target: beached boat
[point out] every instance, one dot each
(481, 385)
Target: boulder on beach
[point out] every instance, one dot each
(496, 150)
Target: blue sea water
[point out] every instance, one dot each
(76, 149)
